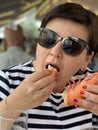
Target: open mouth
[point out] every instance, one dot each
(52, 67)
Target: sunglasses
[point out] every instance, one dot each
(71, 45)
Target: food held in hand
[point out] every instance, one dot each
(74, 90)
(52, 69)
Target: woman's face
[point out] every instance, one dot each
(68, 65)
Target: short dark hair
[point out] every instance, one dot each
(77, 13)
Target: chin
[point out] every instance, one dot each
(58, 89)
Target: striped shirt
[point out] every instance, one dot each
(51, 114)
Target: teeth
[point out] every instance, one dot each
(52, 68)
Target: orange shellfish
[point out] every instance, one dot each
(74, 90)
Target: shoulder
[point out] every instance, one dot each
(4, 60)
(3, 55)
(83, 74)
(24, 68)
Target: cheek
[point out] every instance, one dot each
(73, 64)
(80, 60)
(41, 52)
(40, 58)
(77, 63)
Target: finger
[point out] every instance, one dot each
(38, 75)
(90, 96)
(92, 88)
(43, 94)
(44, 82)
(88, 105)
(47, 90)
(40, 84)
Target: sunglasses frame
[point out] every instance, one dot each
(62, 39)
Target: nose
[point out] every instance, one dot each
(56, 51)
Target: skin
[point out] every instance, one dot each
(37, 87)
(67, 64)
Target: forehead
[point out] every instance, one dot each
(65, 27)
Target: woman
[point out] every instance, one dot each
(67, 42)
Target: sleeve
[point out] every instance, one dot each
(4, 85)
(4, 61)
(95, 120)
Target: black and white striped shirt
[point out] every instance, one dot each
(51, 115)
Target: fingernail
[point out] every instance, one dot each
(84, 86)
(77, 106)
(82, 92)
(75, 100)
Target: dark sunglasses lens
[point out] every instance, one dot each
(72, 46)
(47, 38)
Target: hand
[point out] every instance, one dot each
(90, 102)
(33, 91)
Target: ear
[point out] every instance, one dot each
(90, 56)
(87, 60)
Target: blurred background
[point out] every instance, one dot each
(29, 13)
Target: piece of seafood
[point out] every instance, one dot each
(52, 69)
(74, 90)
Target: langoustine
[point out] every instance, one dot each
(74, 90)
(52, 69)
